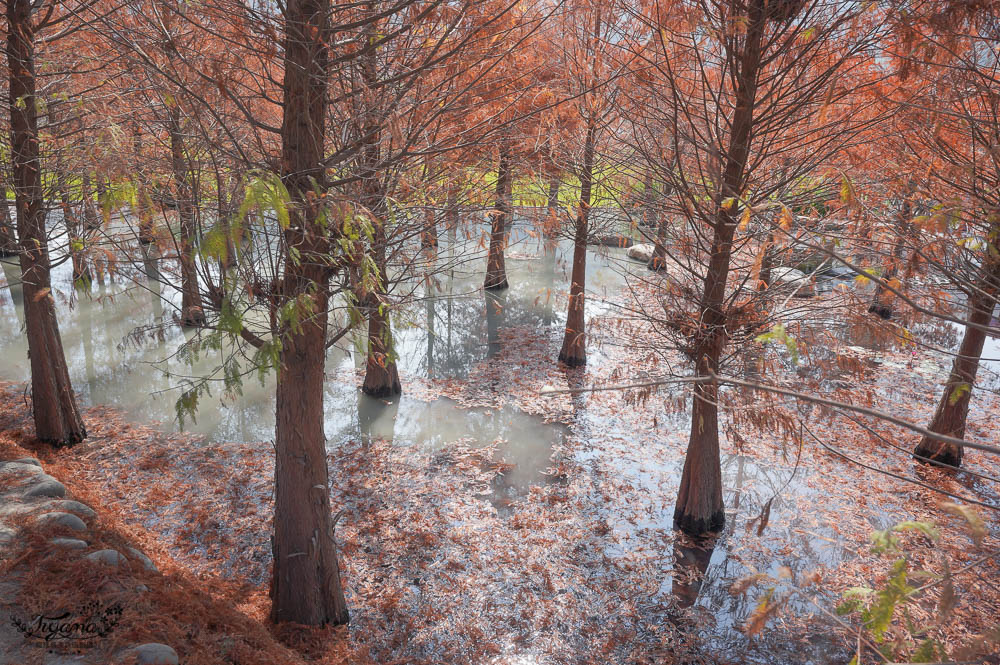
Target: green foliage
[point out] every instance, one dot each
(779, 334)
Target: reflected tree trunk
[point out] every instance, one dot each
(496, 303)
(691, 561)
(57, 418)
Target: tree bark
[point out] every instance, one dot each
(658, 261)
(82, 277)
(192, 313)
(699, 508)
(496, 270)
(305, 585)
(8, 237)
(574, 347)
(881, 303)
(551, 225)
(57, 418)
(381, 374)
(953, 409)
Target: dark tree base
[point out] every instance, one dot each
(572, 361)
(945, 456)
(694, 526)
(499, 286)
(656, 263)
(66, 442)
(883, 311)
(381, 392)
(194, 317)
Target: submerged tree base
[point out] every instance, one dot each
(938, 453)
(572, 360)
(700, 526)
(381, 391)
(498, 286)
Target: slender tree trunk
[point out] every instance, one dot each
(648, 200)
(82, 277)
(8, 236)
(699, 506)
(953, 409)
(881, 301)
(57, 418)
(551, 225)
(305, 586)
(91, 220)
(429, 236)
(658, 261)
(381, 374)
(496, 270)
(192, 313)
(574, 347)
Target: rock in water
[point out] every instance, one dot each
(790, 278)
(641, 252)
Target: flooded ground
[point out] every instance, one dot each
(465, 464)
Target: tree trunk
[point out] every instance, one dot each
(381, 374)
(82, 277)
(8, 237)
(574, 347)
(953, 409)
(91, 220)
(551, 225)
(192, 313)
(699, 508)
(658, 261)
(57, 418)
(496, 270)
(305, 585)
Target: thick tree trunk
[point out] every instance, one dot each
(699, 508)
(953, 409)
(574, 347)
(305, 586)
(57, 418)
(192, 313)
(496, 269)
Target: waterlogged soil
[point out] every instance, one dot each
(487, 519)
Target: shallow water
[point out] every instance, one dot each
(121, 346)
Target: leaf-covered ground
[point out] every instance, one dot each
(444, 563)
